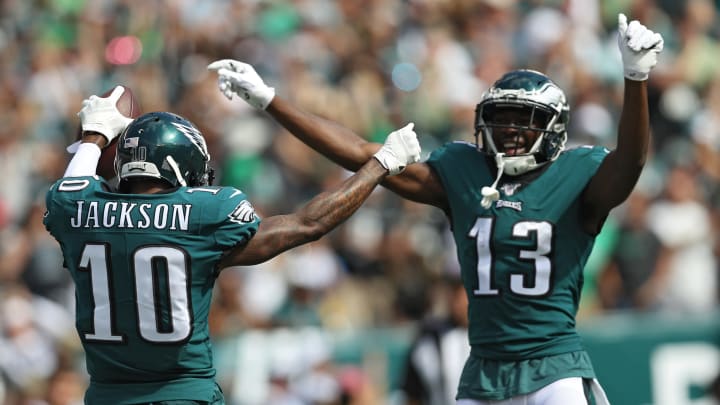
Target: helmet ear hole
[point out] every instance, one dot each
(541, 118)
(488, 112)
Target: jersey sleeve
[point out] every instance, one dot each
(587, 157)
(450, 150)
(231, 219)
(60, 200)
(454, 159)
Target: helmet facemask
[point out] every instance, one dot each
(544, 111)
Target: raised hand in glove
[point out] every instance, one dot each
(401, 148)
(639, 48)
(101, 114)
(238, 78)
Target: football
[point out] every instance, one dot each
(128, 106)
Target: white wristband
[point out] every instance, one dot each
(85, 160)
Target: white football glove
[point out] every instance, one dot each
(639, 48)
(238, 78)
(101, 115)
(401, 148)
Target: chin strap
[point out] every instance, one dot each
(491, 194)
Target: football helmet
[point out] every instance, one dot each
(547, 111)
(163, 145)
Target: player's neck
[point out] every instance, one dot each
(149, 186)
(147, 190)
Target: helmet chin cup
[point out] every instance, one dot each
(517, 165)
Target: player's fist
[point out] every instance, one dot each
(101, 114)
(639, 48)
(401, 148)
(238, 78)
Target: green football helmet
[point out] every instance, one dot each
(547, 111)
(163, 145)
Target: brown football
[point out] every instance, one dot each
(128, 106)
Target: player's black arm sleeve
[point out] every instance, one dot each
(277, 234)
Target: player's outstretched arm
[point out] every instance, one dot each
(619, 172)
(279, 233)
(334, 141)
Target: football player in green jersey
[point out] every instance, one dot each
(144, 259)
(524, 213)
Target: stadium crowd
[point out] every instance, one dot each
(371, 65)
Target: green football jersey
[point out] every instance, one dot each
(144, 266)
(522, 259)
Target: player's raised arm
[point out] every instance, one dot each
(279, 233)
(621, 169)
(101, 122)
(334, 141)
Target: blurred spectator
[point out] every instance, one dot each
(66, 387)
(705, 133)
(438, 352)
(624, 283)
(687, 276)
(310, 271)
(32, 330)
(40, 261)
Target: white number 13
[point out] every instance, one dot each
(482, 233)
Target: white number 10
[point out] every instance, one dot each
(95, 260)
